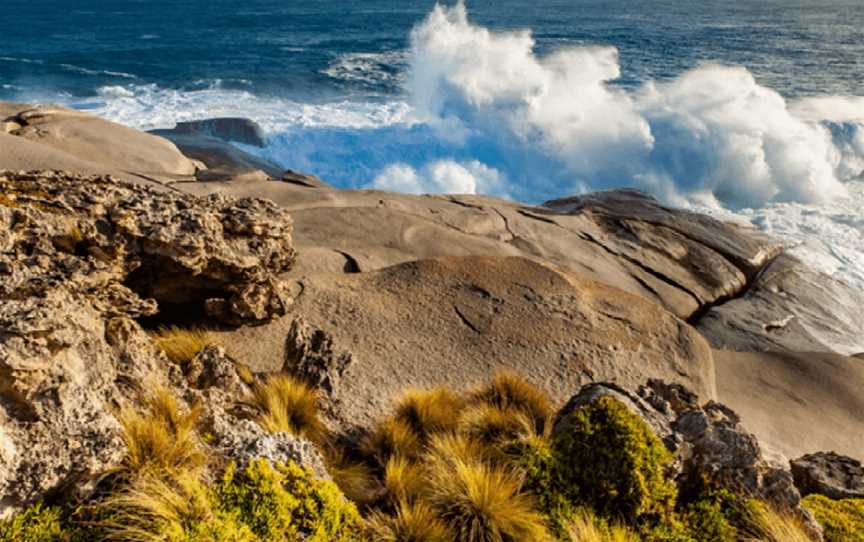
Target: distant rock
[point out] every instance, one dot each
(829, 474)
(61, 138)
(235, 129)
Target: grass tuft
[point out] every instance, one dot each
(585, 526)
(181, 345)
(412, 522)
(509, 391)
(480, 502)
(403, 479)
(492, 424)
(765, 524)
(285, 404)
(162, 439)
(392, 438)
(429, 411)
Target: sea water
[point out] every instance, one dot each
(750, 110)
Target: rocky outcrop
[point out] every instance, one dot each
(830, 474)
(82, 259)
(366, 337)
(708, 440)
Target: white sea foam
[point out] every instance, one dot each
(483, 113)
(372, 69)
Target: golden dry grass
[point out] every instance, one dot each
(155, 509)
(429, 411)
(356, 480)
(584, 526)
(764, 524)
(392, 438)
(480, 502)
(510, 391)
(411, 522)
(403, 479)
(181, 345)
(285, 404)
(492, 424)
(162, 438)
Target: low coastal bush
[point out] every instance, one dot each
(181, 345)
(286, 502)
(842, 520)
(611, 461)
(286, 404)
(35, 524)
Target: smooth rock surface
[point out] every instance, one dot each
(456, 320)
(796, 403)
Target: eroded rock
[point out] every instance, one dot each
(830, 474)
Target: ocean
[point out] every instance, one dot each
(750, 110)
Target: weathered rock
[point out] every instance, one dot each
(215, 254)
(80, 259)
(789, 307)
(830, 474)
(235, 129)
(454, 321)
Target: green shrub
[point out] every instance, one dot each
(35, 524)
(609, 460)
(286, 503)
(842, 520)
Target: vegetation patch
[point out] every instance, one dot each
(181, 345)
(286, 404)
(842, 520)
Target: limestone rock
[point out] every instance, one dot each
(110, 145)
(829, 474)
(81, 260)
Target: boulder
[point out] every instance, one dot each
(82, 261)
(830, 474)
(235, 129)
(367, 337)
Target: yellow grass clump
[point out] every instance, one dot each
(480, 502)
(584, 526)
(403, 479)
(511, 392)
(429, 411)
(285, 404)
(392, 438)
(765, 524)
(411, 522)
(162, 438)
(181, 345)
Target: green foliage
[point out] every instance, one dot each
(285, 502)
(35, 524)
(609, 460)
(842, 520)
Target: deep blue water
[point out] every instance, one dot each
(297, 49)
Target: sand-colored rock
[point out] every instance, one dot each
(112, 146)
(796, 403)
(456, 320)
(789, 308)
